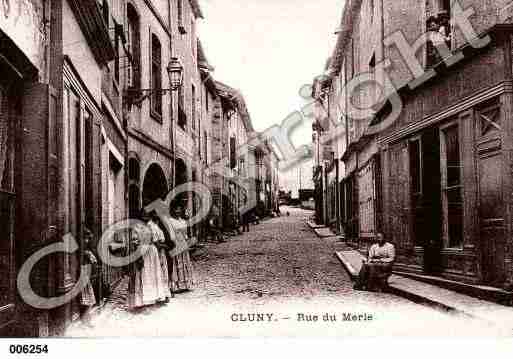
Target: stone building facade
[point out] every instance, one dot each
(436, 179)
(90, 133)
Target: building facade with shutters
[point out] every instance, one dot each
(436, 180)
(89, 134)
(59, 104)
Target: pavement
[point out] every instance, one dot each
(321, 230)
(435, 296)
(283, 271)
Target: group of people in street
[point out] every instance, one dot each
(164, 266)
(163, 269)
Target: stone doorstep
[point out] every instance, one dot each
(314, 225)
(484, 292)
(324, 232)
(435, 296)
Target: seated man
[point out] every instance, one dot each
(378, 267)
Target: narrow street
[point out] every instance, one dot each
(283, 271)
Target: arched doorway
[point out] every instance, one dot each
(154, 185)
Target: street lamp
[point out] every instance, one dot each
(175, 73)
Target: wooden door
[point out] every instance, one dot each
(431, 199)
(424, 169)
(491, 203)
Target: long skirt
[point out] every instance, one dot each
(374, 275)
(165, 274)
(151, 277)
(135, 289)
(182, 272)
(87, 297)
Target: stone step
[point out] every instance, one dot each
(435, 296)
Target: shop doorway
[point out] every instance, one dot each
(425, 197)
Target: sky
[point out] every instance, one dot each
(269, 49)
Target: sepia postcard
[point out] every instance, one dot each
(255, 169)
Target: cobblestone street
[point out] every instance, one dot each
(282, 269)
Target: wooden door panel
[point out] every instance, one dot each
(491, 215)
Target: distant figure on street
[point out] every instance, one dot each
(377, 268)
(245, 217)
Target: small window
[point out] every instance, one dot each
(193, 107)
(182, 116)
(156, 76)
(233, 161)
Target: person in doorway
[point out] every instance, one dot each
(87, 297)
(181, 266)
(377, 268)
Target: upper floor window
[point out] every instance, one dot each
(134, 43)
(193, 107)
(439, 26)
(182, 117)
(156, 76)
(233, 155)
(181, 16)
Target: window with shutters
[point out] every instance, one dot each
(182, 116)
(156, 77)
(233, 160)
(134, 43)
(193, 107)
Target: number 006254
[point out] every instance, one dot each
(28, 349)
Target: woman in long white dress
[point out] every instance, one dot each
(159, 240)
(147, 278)
(182, 270)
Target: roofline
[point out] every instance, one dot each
(351, 9)
(196, 9)
(238, 98)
